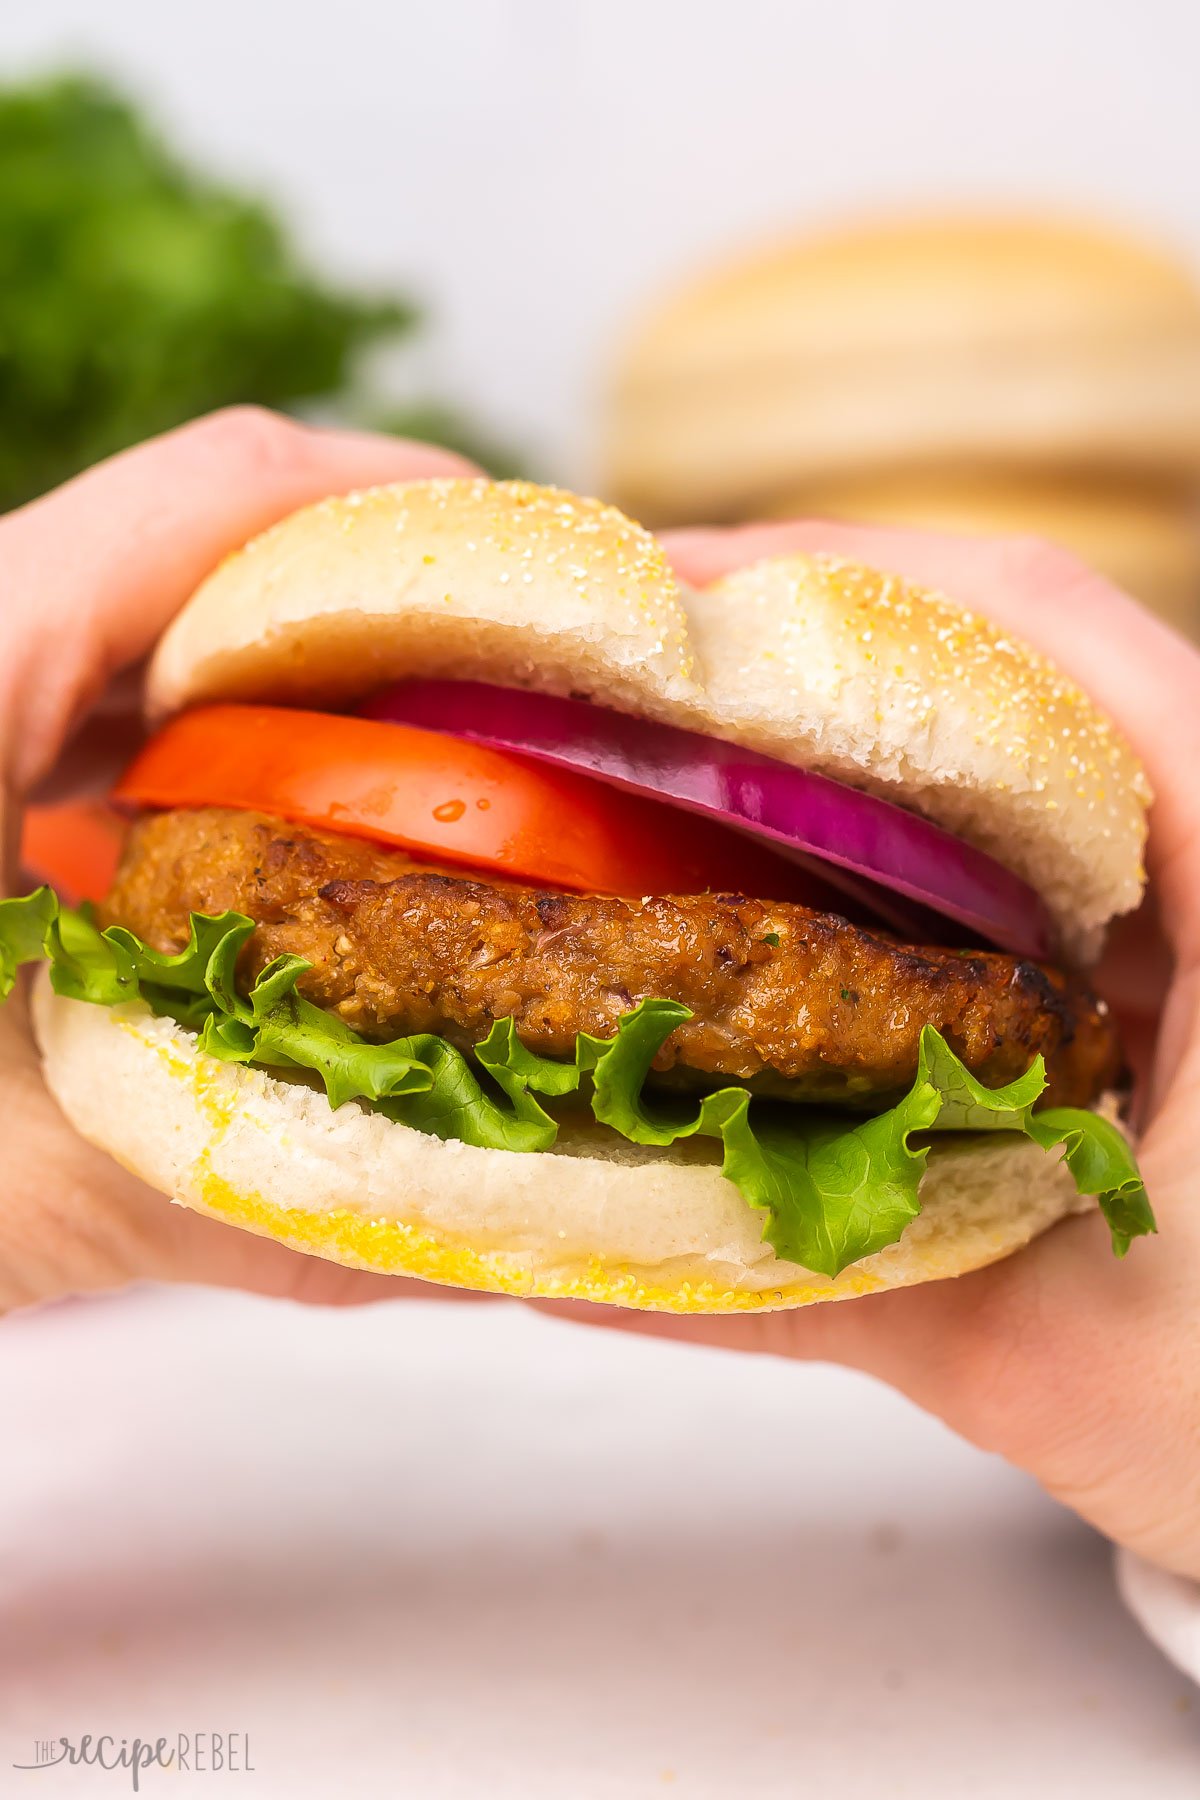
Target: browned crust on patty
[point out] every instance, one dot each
(830, 1013)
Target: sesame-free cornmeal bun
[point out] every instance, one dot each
(431, 1081)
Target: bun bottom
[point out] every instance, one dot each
(593, 1219)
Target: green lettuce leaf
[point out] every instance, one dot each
(834, 1193)
(1102, 1163)
(277, 1027)
(25, 927)
(178, 985)
(421, 1081)
(831, 1190)
(83, 966)
(1097, 1154)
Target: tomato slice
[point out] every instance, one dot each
(75, 846)
(443, 798)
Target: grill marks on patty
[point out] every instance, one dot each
(829, 1013)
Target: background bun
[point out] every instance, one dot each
(995, 342)
(832, 667)
(592, 1219)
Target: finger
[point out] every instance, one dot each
(807, 1334)
(74, 1221)
(104, 744)
(1059, 1356)
(95, 570)
(1128, 660)
(1134, 979)
(205, 1251)
(1060, 1359)
(1137, 669)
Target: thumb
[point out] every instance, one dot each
(96, 569)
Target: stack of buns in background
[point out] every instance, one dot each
(992, 375)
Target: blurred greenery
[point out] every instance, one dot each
(136, 293)
(445, 425)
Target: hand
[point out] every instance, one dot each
(91, 575)
(1081, 1369)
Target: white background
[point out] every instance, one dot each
(433, 1552)
(538, 168)
(423, 1552)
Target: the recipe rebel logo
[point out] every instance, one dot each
(193, 1753)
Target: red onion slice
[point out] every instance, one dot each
(864, 843)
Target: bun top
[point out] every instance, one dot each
(1145, 538)
(820, 663)
(1001, 340)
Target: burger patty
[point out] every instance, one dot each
(794, 1003)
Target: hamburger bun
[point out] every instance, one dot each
(824, 664)
(1144, 538)
(1003, 343)
(840, 669)
(593, 1219)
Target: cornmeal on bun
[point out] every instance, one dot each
(498, 911)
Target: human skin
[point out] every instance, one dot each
(1079, 1368)
(1082, 1369)
(89, 577)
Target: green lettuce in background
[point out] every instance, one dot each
(832, 1189)
(136, 293)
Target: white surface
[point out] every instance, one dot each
(435, 1550)
(431, 1551)
(538, 168)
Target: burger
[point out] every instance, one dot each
(497, 910)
